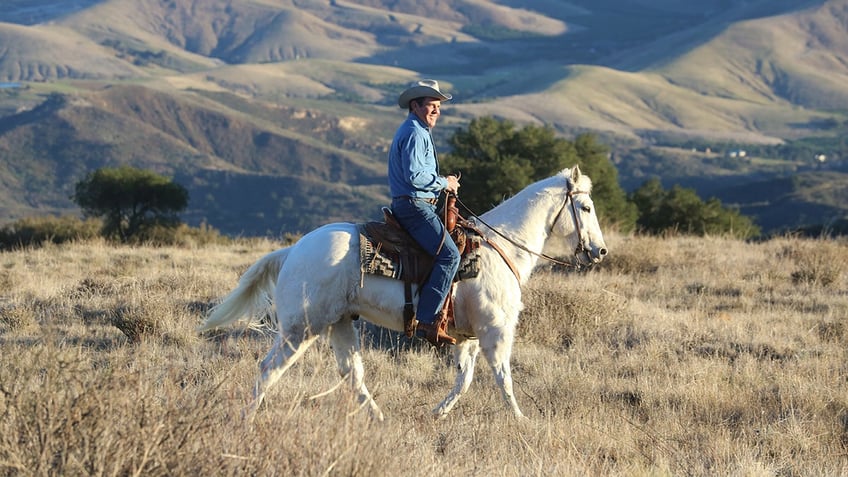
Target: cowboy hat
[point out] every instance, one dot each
(425, 88)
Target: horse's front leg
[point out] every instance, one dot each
(465, 354)
(497, 347)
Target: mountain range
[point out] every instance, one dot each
(277, 114)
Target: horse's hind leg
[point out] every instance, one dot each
(345, 342)
(466, 357)
(283, 354)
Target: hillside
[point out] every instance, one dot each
(246, 32)
(295, 99)
(798, 59)
(231, 161)
(31, 12)
(39, 54)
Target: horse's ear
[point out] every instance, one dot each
(575, 173)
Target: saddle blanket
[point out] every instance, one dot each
(376, 258)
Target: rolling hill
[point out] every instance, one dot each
(193, 138)
(38, 54)
(276, 115)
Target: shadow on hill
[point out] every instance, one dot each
(240, 204)
(796, 203)
(31, 12)
(613, 34)
(43, 111)
(834, 228)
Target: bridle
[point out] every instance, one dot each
(569, 197)
(581, 246)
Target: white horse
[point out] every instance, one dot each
(320, 290)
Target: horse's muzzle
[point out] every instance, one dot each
(598, 255)
(588, 256)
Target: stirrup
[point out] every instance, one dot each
(433, 333)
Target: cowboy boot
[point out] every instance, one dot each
(435, 333)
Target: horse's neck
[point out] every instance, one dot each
(524, 219)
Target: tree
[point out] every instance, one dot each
(649, 199)
(130, 200)
(611, 204)
(498, 161)
(681, 210)
(485, 153)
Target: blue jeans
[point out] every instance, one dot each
(419, 218)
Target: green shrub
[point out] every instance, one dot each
(34, 231)
(130, 200)
(680, 210)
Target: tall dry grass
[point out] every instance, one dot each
(677, 356)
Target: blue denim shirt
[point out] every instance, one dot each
(413, 167)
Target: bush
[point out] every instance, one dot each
(35, 231)
(817, 262)
(180, 235)
(680, 210)
(16, 318)
(130, 200)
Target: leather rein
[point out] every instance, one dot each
(581, 247)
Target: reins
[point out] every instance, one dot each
(580, 247)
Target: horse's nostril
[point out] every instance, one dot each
(603, 252)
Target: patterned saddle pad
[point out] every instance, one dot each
(388, 251)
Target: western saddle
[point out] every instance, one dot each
(388, 250)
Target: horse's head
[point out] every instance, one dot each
(577, 220)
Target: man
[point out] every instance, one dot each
(415, 186)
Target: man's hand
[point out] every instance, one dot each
(453, 184)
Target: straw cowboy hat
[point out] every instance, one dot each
(425, 88)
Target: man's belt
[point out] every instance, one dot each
(423, 199)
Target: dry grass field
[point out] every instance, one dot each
(677, 356)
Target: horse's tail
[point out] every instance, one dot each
(252, 296)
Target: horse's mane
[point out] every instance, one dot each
(542, 190)
(582, 183)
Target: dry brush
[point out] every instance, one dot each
(677, 356)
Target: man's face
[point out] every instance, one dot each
(428, 111)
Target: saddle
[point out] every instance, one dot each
(386, 249)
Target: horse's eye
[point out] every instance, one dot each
(586, 208)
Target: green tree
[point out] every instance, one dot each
(499, 160)
(649, 199)
(485, 154)
(611, 201)
(130, 200)
(681, 210)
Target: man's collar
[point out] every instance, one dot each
(419, 121)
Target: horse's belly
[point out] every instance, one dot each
(380, 301)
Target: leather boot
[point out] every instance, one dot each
(433, 333)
